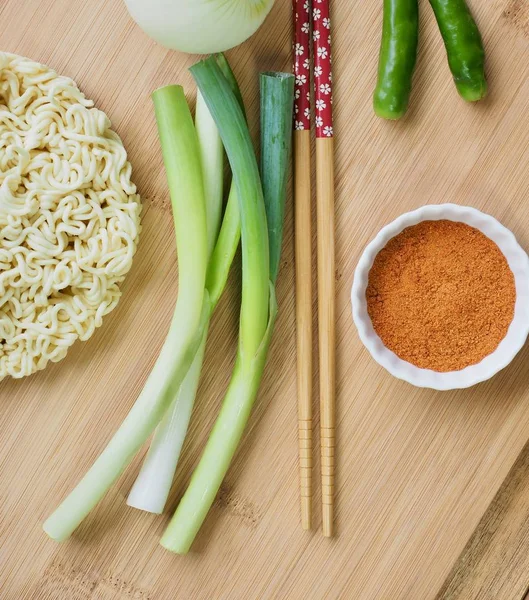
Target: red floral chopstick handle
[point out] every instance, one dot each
(321, 25)
(301, 52)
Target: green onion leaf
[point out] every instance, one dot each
(231, 123)
(277, 98)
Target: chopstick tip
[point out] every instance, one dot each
(328, 519)
(306, 513)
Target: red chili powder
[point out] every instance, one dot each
(441, 295)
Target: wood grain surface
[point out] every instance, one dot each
(495, 562)
(326, 325)
(302, 183)
(416, 469)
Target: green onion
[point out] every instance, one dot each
(276, 135)
(211, 158)
(153, 483)
(152, 486)
(182, 161)
(258, 310)
(233, 129)
(224, 66)
(231, 123)
(230, 233)
(221, 446)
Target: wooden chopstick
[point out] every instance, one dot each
(303, 252)
(326, 270)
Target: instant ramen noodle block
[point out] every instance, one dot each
(69, 216)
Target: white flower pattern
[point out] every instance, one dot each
(316, 11)
(322, 68)
(301, 79)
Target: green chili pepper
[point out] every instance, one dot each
(398, 55)
(464, 47)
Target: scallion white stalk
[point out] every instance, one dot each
(152, 486)
(184, 173)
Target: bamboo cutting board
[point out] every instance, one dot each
(495, 562)
(416, 469)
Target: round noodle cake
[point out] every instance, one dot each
(69, 216)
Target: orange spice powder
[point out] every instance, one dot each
(441, 295)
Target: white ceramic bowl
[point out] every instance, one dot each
(508, 347)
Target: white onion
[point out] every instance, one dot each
(199, 26)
